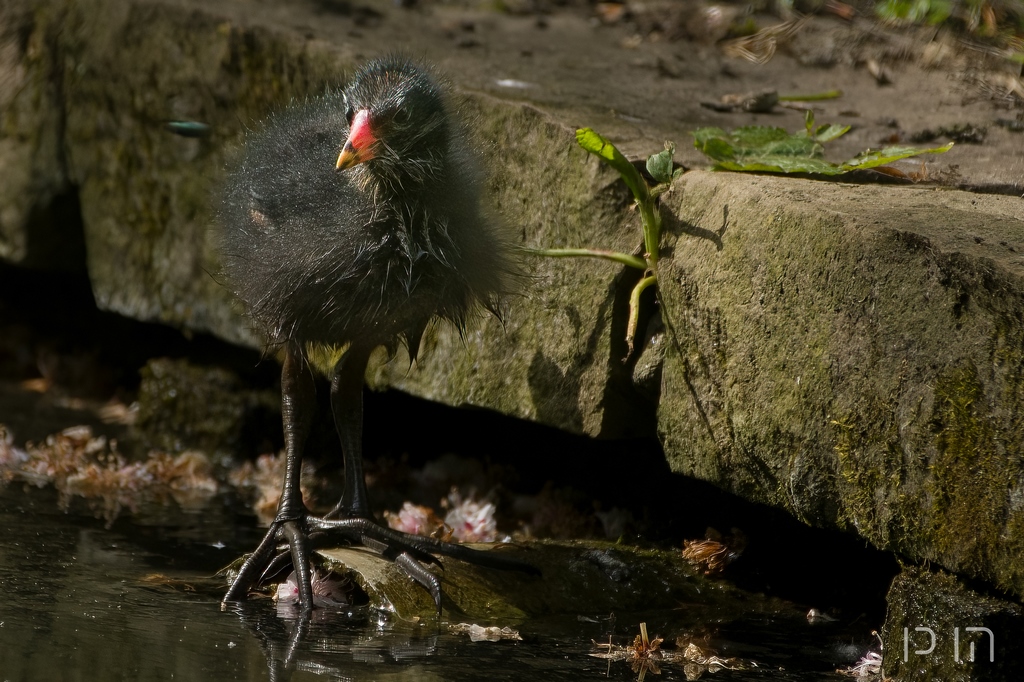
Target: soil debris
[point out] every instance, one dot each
(80, 464)
(646, 655)
(869, 666)
(330, 590)
(479, 633)
(712, 554)
(761, 102)
(416, 519)
(262, 481)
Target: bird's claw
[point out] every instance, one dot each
(418, 572)
(409, 552)
(267, 561)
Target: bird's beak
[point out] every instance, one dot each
(361, 143)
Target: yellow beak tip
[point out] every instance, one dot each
(346, 159)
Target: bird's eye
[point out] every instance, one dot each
(402, 116)
(350, 113)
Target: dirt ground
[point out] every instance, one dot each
(642, 73)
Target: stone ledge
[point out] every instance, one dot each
(853, 355)
(98, 80)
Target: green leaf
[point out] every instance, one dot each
(717, 148)
(914, 11)
(781, 164)
(812, 97)
(773, 150)
(597, 145)
(649, 216)
(823, 133)
(600, 147)
(827, 133)
(660, 166)
(754, 142)
(809, 121)
(873, 159)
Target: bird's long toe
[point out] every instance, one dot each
(291, 541)
(267, 561)
(252, 568)
(418, 572)
(392, 543)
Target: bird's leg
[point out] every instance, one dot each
(347, 406)
(297, 407)
(352, 519)
(298, 404)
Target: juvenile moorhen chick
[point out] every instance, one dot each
(350, 222)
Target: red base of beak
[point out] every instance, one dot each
(359, 147)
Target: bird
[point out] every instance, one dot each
(348, 222)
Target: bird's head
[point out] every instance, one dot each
(397, 124)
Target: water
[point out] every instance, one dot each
(81, 603)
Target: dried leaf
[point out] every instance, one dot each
(479, 633)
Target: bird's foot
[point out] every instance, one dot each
(411, 553)
(286, 540)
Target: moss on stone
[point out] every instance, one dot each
(553, 359)
(938, 601)
(184, 406)
(854, 359)
(970, 478)
(579, 577)
(148, 196)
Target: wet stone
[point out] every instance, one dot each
(577, 577)
(939, 629)
(184, 406)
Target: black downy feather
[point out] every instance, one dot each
(373, 253)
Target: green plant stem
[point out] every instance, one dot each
(813, 97)
(651, 220)
(634, 308)
(617, 256)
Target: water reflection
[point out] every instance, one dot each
(82, 603)
(336, 645)
(76, 606)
